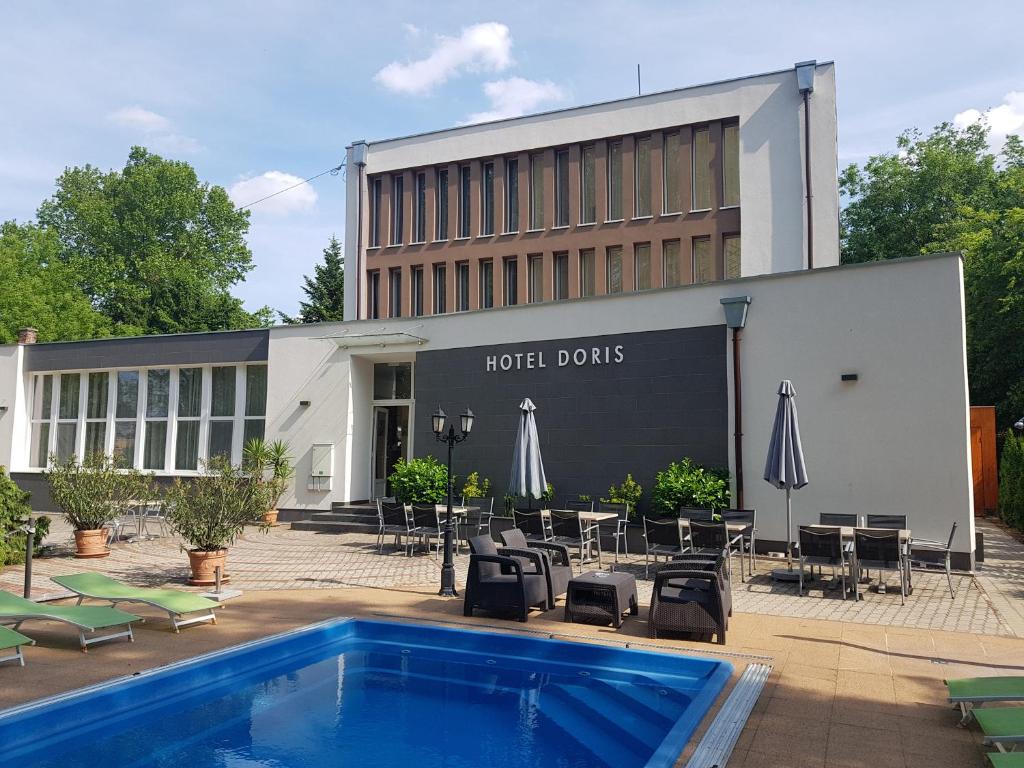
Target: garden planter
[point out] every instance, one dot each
(270, 517)
(204, 567)
(91, 543)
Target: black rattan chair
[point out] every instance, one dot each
(822, 546)
(892, 522)
(707, 561)
(500, 584)
(688, 602)
(615, 528)
(881, 551)
(662, 536)
(393, 519)
(841, 520)
(426, 525)
(531, 524)
(557, 563)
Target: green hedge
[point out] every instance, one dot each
(687, 484)
(14, 509)
(420, 481)
(1011, 481)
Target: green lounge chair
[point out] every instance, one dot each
(971, 691)
(1007, 759)
(85, 618)
(175, 602)
(11, 639)
(1002, 726)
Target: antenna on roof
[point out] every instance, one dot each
(637, 79)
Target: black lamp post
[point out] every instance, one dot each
(451, 439)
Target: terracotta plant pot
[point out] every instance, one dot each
(270, 517)
(91, 543)
(204, 566)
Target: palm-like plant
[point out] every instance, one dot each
(269, 465)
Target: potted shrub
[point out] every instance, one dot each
(687, 484)
(92, 493)
(209, 511)
(630, 492)
(270, 465)
(476, 488)
(14, 512)
(420, 481)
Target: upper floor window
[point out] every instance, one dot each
(486, 284)
(671, 263)
(535, 278)
(642, 266)
(440, 293)
(465, 204)
(701, 169)
(731, 254)
(397, 208)
(731, 165)
(441, 205)
(487, 200)
(614, 181)
(373, 295)
(375, 195)
(562, 188)
(417, 291)
(395, 292)
(614, 269)
(419, 234)
(512, 195)
(703, 260)
(537, 191)
(560, 281)
(588, 272)
(672, 195)
(642, 178)
(588, 185)
(462, 286)
(511, 281)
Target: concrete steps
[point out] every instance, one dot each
(343, 518)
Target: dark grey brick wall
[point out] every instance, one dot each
(667, 399)
(184, 349)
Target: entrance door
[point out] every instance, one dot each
(390, 443)
(983, 459)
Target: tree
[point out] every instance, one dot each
(155, 250)
(325, 290)
(41, 290)
(947, 191)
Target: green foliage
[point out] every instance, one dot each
(630, 492)
(325, 291)
(14, 512)
(209, 511)
(269, 465)
(95, 491)
(155, 249)
(686, 484)
(420, 481)
(1011, 481)
(549, 493)
(475, 487)
(48, 297)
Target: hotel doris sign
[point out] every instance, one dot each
(578, 357)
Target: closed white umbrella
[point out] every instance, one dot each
(527, 478)
(785, 467)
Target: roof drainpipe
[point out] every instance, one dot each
(358, 157)
(736, 318)
(805, 83)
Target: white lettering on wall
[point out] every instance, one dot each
(563, 358)
(506, 362)
(492, 363)
(580, 356)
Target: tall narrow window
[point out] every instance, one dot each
(190, 398)
(614, 181)
(255, 402)
(67, 416)
(126, 409)
(158, 393)
(486, 284)
(395, 292)
(417, 291)
(562, 188)
(462, 286)
(535, 279)
(731, 251)
(465, 204)
(703, 263)
(642, 266)
(419, 234)
(42, 410)
(373, 295)
(375, 195)
(560, 281)
(487, 201)
(701, 169)
(671, 263)
(588, 185)
(614, 267)
(731, 165)
(222, 411)
(397, 208)
(588, 272)
(512, 195)
(440, 274)
(642, 178)
(441, 215)
(96, 414)
(672, 197)
(511, 282)
(537, 191)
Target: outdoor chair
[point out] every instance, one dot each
(426, 525)
(881, 551)
(9, 639)
(837, 520)
(970, 692)
(661, 537)
(499, 583)
(707, 561)
(822, 546)
(86, 619)
(895, 522)
(154, 514)
(615, 528)
(926, 553)
(742, 542)
(713, 537)
(476, 522)
(579, 506)
(557, 563)
(570, 530)
(697, 513)
(393, 520)
(690, 602)
(531, 524)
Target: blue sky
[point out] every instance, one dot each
(255, 95)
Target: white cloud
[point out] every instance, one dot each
(299, 200)
(157, 130)
(481, 47)
(516, 96)
(1002, 120)
(140, 118)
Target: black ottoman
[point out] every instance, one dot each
(601, 597)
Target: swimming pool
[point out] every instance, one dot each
(385, 694)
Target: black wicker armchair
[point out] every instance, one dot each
(557, 563)
(688, 602)
(499, 582)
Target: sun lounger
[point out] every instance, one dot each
(175, 602)
(971, 691)
(1003, 726)
(85, 618)
(1006, 759)
(11, 639)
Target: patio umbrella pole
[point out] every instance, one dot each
(789, 530)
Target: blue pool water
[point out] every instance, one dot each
(382, 694)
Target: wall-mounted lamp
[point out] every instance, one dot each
(849, 377)
(304, 403)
